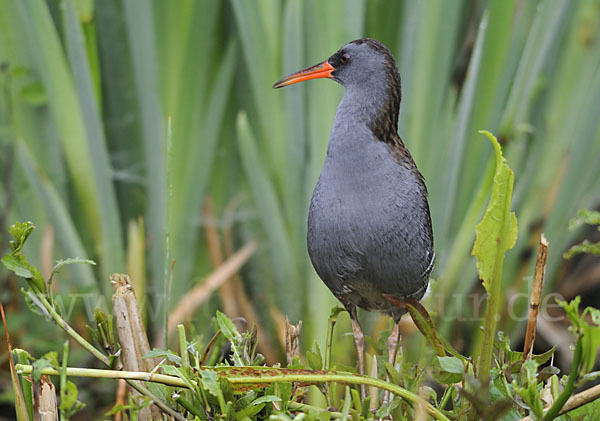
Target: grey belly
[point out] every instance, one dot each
(364, 243)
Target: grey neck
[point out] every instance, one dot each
(363, 103)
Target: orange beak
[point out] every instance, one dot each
(323, 69)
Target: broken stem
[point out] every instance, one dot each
(536, 295)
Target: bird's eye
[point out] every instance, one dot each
(345, 58)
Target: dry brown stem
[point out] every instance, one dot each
(132, 334)
(227, 289)
(47, 409)
(265, 344)
(292, 340)
(536, 294)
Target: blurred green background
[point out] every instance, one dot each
(137, 132)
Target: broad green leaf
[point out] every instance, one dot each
(161, 353)
(68, 399)
(314, 358)
(21, 267)
(448, 370)
(227, 327)
(16, 262)
(495, 234)
(169, 370)
(266, 398)
(210, 383)
(385, 409)
(38, 366)
(425, 324)
(249, 412)
(451, 364)
(284, 391)
(497, 231)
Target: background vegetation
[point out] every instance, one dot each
(87, 150)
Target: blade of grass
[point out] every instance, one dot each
(265, 200)
(111, 246)
(198, 163)
(140, 32)
(58, 215)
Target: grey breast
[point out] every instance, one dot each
(367, 223)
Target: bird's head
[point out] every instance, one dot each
(367, 70)
(364, 63)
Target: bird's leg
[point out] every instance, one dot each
(392, 347)
(392, 344)
(359, 342)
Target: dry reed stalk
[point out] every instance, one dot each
(132, 335)
(193, 299)
(227, 289)
(536, 295)
(265, 345)
(292, 340)
(47, 409)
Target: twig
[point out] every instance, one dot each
(575, 401)
(581, 399)
(243, 379)
(536, 294)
